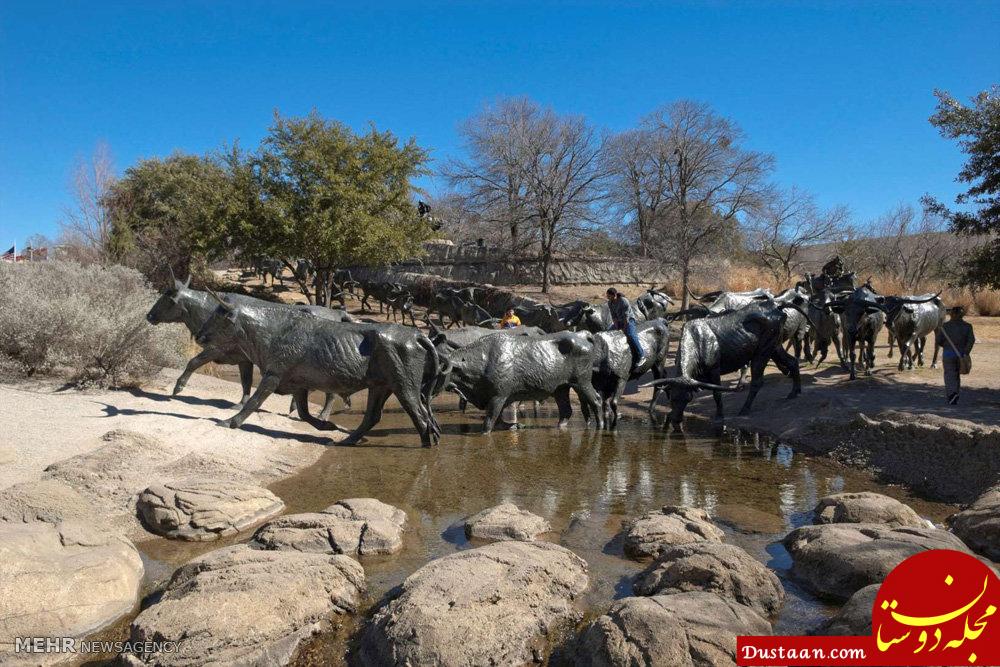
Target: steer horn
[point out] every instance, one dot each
(222, 302)
(693, 295)
(701, 311)
(688, 382)
(930, 298)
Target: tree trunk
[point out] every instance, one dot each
(303, 282)
(546, 263)
(685, 280)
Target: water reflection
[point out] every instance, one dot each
(584, 482)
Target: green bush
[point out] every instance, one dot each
(86, 324)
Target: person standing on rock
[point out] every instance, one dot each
(623, 319)
(957, 338)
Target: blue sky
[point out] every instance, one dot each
(839, 92)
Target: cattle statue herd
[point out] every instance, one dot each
(556, 349)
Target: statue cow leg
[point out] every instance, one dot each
(301, 401)
(197, 362)
(373, 414)
(615, 397)
(838, 347)
(268, 384)
(789, 366)
(651, 408)
(246, 380)
(563, 405)
(327, 410)
(904, 351)
(588, 396)
(743, 377)
(409, 399)
(757, 366)
(868, 352)
(494, 407)
(851, 360)
(717, 395)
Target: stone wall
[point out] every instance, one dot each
(565, 271)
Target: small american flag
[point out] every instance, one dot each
(9, 255)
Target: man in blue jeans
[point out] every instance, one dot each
(623, 319)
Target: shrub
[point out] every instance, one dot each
(84, 323)
(987, 302)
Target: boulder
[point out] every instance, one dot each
(353, 526)
(979, 524)
(855, 617)
(835, 560)
(866, 507)
(670, 526)
(506, 522)
(201, 509)
(239, 605)
(723, 569)
(682, 630)
(499, 604)
(63, 579)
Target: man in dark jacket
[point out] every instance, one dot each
(623, 318)
(957, 338)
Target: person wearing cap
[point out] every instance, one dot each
(623, 319)
(957, 338)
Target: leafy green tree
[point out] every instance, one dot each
(977, 129)
(316, 190)
(168, 213)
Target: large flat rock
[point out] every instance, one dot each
(979, 524)
(723, 569)
(669, 526)
(243, 606)
(837, 559)
(202, 509)
(866, 507)
(352, 526)
(63, 579)
(506, 522)
(681, 630)
(497, 605)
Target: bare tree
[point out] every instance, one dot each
(534, 173)
(638, 164)
(709, 182)
(914, 248)
(491, 179)
(785, 223)
(562, 174)
(85, 227)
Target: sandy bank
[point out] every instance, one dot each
(110, 445)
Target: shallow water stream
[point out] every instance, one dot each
(584, 482)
